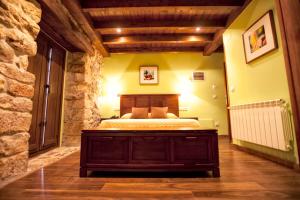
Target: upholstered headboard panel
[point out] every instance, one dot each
(127, 101)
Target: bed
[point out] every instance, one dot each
(156, 145)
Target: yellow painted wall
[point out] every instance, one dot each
(260, 80)
(121, 75)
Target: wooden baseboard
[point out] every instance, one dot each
(285, 163)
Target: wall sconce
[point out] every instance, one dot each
(110, 94)
(185, 89)
(112, 88)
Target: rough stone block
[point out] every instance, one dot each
(22, 43)
(20, 104)
(32, 9)
(74, 115)
(22, 14)
(7, 53)
(13, 72)
(13, 165)
(76, 68)
(71, 141)
(19, 89)
(14, 121)
(73, 128)
(13, 144)
(3, 85)
(22, 62)
(73, 94)
(79, 78)
(75, 79)
(78, 58)
(77, 103)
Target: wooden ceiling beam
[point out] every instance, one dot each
(215, 44)
(74, 8)
(160, 43)
(158, 23)
(151, 3)
(63, 23)
(158, 39)
(160, 10)
(159, 30)
(218, 38)
(155, 49)
(57, 37)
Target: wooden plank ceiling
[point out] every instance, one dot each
(158, 25)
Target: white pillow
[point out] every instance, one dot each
(171, 116)
(126, 116)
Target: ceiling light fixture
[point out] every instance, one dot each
(198, 29)
(119, 30)
(122, 39)
(192, 39)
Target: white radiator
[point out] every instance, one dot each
(264, 123)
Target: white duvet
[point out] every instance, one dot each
(150, 123)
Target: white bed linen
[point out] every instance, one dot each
(150, 123)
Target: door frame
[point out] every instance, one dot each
(289, 22)
(51, 43)
(227, 100)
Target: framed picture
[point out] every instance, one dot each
(149, 74)
(260, 38)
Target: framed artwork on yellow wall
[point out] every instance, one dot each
(260, 38)
(149, 74)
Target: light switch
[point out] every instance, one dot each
(232, 89)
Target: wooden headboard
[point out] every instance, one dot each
(127, 101)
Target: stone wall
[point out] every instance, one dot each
(81, 93)
(18, 31)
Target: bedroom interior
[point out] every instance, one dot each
(156, 99)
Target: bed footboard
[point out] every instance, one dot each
(149, 150)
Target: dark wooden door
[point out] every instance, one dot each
(36, 64)
(53, 96)
(48, 67)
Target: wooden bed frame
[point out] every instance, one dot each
(186, 149)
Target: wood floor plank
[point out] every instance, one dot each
(243, 176)
(218, 186)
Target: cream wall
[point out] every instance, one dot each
(120, 75)
(260, 80)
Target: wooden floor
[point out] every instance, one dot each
(243, 176)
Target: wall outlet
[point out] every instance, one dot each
(217, 124)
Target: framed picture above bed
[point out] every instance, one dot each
(260, 38)
(148, 74)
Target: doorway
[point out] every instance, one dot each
(48, 67)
